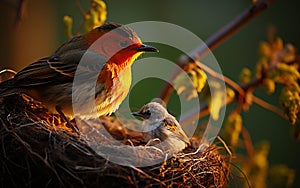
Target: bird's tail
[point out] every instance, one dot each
(7, 88)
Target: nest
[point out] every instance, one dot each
(38, 149)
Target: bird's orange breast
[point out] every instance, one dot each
(116, 84)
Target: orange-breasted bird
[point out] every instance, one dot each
(109, 52)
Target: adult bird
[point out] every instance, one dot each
(101, 59)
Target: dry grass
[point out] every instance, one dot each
(38, 150)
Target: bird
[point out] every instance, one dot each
(109, 50)
(159, 124)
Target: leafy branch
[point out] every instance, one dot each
(94, 17)
(278, 64)
(190, 62)
(212, 42)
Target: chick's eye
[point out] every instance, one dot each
(147, 113)
(123, 44)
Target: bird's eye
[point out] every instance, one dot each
(147, 114)
(123, 44)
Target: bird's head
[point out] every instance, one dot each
(157, 115)
(152, 111)
(118, 43)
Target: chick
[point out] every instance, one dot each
(159, 124)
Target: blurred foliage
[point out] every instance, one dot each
(245, 75)
(256, 167)
(258, 171)
(232, 129)
(217, 98)
(278, 64)
(68, 26)
(282, 176)
(290, 101)
(94, 17)
(197, 77)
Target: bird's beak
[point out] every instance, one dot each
(181, 134)
(146, 48)
(138, 115)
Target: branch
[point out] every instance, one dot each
(216, 39)
(82, 12)
(268, 106)
(240, 91)
(247, 142)
(20, 6)
(204, 109)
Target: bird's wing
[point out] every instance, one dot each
(54, 69)
(42, 73)
(172, 125)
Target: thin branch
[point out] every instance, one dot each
(240, 90)
(232, 27)
(147, 175)
(226, 79)
(6, 74)
(249, 87)
(20, 6)
(268, 106)
(198, 113)
(82, 12)
(204, 109)
(216, 39)
(21, 9)
(8, 71)
(225, 146)
(247, 142)
(244, 175)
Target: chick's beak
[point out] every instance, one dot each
(183, 137)
(146, 48)
(137, 114)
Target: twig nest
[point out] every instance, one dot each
(39, 150)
